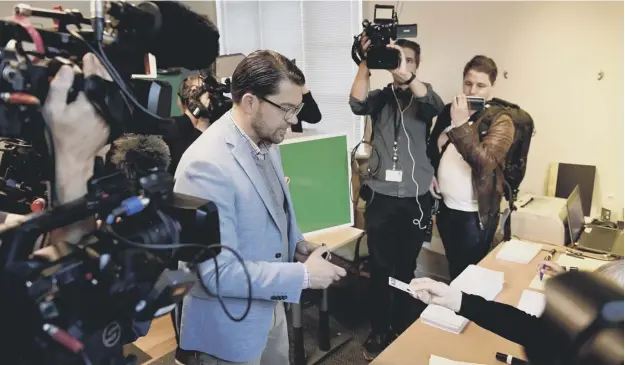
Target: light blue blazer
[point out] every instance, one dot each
(219, 166)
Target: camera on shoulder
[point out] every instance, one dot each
(384, 28)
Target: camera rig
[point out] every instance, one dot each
(219, 103)
(381, 32)
(82, 308)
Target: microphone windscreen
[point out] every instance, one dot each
(136, 154)
(185, 39)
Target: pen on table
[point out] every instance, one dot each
(548, 258)
(509, 359)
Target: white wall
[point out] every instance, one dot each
(552, 52)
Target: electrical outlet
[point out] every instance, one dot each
(606, 214)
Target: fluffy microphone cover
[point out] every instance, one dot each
(135, 153)
(186, 39)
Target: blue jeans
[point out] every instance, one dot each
(465, 243)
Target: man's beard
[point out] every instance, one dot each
(264, 133)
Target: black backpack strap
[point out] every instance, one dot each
(444, 148)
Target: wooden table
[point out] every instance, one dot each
(333, 239)
(474, 344)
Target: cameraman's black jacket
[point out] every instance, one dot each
(185, 134)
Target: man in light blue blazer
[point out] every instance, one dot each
(236, 164)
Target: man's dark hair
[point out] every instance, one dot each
(261, 72)
(188, 87)
(482, 64)
(404, 43)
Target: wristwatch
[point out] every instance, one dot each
(410, 79)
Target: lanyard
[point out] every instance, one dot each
(397, 122)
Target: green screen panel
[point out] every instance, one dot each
(319, 175)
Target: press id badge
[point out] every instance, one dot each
(393, 175)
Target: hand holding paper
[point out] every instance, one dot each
(433, 292)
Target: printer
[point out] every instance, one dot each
(540, 219)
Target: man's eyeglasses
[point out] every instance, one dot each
(288, 112)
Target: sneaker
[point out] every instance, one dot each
(181, 357)
(374, 344)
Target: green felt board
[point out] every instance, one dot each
(319, 181)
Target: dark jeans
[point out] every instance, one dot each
(465, 243)
(394, 243)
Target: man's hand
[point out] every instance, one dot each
(365, 43)
(78, 131)
(550, 268)
(304, 249)
(400, 72)
(322, 272)
(459, 110)
(434, 189)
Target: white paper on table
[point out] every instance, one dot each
(437, 360)
(584, 264)
(538, 284)
(532, 302)
(474, 280)
(518, 251)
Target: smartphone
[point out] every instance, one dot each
(476, 102)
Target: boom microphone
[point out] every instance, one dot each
(136, 155)
(174, 34)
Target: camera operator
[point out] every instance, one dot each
(465, 163)
(504, 320)
(236, 164)
(399, 203)
(188, 127)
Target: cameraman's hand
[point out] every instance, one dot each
(77, 130)
(401, 72)
(322, 273)
(365, 43)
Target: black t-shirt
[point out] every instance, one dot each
(185, 135)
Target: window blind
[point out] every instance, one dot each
(317, 34)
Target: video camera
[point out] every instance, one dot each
(85, 304)
(384, 28)
(81, 308)
(219, 103)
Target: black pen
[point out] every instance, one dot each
(509, 359)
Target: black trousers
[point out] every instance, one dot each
(394, 243)
(465, 243)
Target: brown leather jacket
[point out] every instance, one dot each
(486, 158)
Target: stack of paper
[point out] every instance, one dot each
(518, 251)
(585, 264)
(473, 280)
(437, 360)
(532, 302)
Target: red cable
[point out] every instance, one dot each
(32, 32)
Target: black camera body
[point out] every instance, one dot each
(381, 32)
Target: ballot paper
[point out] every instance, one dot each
(532, 302)
(398, 284)
(437, 360)
(473, 280)
(518, 251)
(584, 264)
